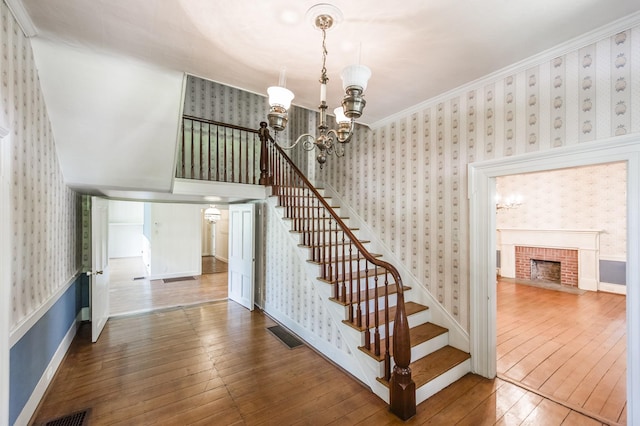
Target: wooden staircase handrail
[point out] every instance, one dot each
(219, 123)
(402, 391)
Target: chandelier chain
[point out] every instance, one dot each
(323, 76)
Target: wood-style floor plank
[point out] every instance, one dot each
(216, 364)
(569, 347)
(128, 295)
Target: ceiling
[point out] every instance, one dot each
(417, 49)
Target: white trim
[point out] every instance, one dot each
(174, 275)
(22, 17)
(38, 392)
(5, 273)
(574, 44)
(482, 245)
(612, 288)
(25, 325)
(614, 258)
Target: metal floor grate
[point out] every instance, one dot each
(75, 419)
(175, 280)
(285, 337)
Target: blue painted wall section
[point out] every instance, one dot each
(614, 272)
(31, 355)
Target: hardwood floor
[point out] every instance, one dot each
(570, 348)
(128, 295)
(216, 364)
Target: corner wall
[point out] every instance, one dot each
(43, 222)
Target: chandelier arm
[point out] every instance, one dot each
(308, 144)
(339, 150)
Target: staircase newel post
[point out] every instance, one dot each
(402, 389)
(264, 157)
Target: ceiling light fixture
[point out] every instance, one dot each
(212, 214)
(354, 81)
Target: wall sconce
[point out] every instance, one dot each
(511, 202)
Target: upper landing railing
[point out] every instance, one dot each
(214, 151)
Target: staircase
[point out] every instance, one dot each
(403, 355)
(408, 356)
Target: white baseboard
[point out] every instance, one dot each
(38, 392)
(174, 275)
(613, 288)
(85, 314)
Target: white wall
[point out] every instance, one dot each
(125, 228)
(174, 246)
(589, 197)
(222, 236)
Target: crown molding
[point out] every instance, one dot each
(22, 17)
(571, 45)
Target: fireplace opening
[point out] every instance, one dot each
(545, 270)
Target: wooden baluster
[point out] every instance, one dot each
(343, 296)
(367, 333)
(246, 158)
(209, 153)
(224, 146)
(358, 286)
(233, 151)
(376, 318)
(387, 355)
(192, 142)
(217, 154)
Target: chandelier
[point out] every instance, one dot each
(354, 82)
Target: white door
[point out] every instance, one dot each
(99, 266)
(241, 253)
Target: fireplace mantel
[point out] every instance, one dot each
(586, 241)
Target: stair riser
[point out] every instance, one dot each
(315, 224)
(418, 351)
(436, 385)
(414, 320)
(313, 213)
(393, 300)
(322, 238)
(295, 191)
(303, 201)
(330, 252)
(338, 267)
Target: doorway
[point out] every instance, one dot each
(554, 337)
(482, 194)
(155, 257)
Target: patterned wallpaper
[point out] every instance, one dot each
(407, 178)
(592, 197)
(214, 101)
(43, 210)
(295, 297)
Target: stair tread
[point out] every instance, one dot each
(433, 365)
(363, 274)
(341, 259)
(343, 218)
(419, 334)
(315, 231)
(333, 244)
(393, 288)
(409, 307)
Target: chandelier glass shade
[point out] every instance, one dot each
(354, 82)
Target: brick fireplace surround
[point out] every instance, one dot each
(549, 244)
(568, 262)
